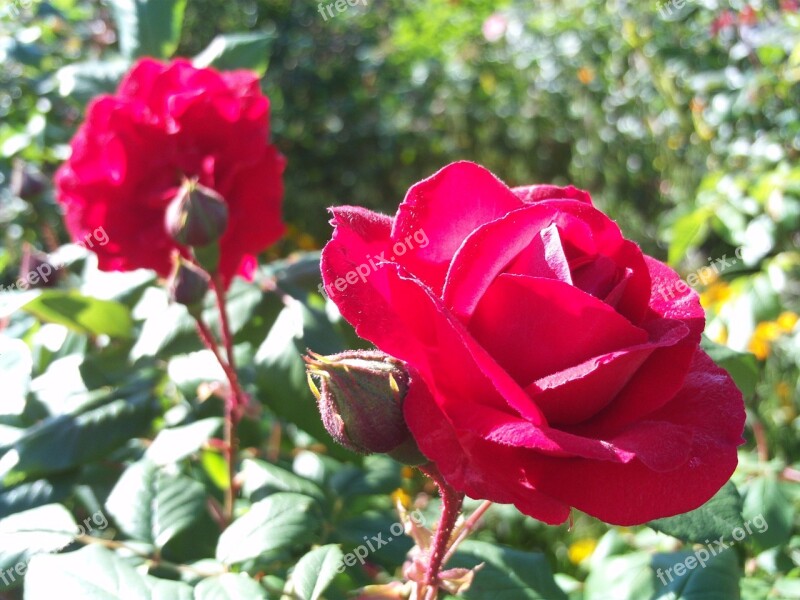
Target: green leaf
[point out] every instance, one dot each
(16, 364)
(277, 522)
(260, 479)
(281, 372)
(94, 573)
(167, 332)
(769, 510)
(44, 529)
(26, 496)
(742, 366)
(148, 27)
(688, 232)
(229, 586)
(85, 80)
(712, 578)
(63, 442)
(216, 468)
(237, 51)
(628, 576)
(314, 573)
(151, 505)
(81, 313)
(507, 573)
(176, 443)
(717, 517)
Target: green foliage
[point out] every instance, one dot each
(716, 518)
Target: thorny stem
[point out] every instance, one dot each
(467, 528)
(236, 401)
(452, 501)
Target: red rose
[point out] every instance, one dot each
(562, 365)
(167, 123)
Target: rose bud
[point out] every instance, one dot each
(360, 398)
(36, 269)
(188, 286)
(25, 182)
(198, 216)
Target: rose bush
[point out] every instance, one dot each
(169, 123)
(561, 367)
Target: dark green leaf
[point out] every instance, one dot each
(769, 511)
(702, 576)
(281, 372)
(260, 479)
(66, 441)
(314, 573)
(277, 522)
(151, 505)
(507, 573)
(717, 517)
(35, 493)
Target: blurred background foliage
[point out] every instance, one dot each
(683, 122)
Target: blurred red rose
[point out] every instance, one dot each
(561, 367)
(168, 123)
(725, 20)
(748, 16)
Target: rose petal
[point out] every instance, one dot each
(447, 207)
(584, 233)
(436, 438)
(709, 407)
(537, 193)
(661, 376)
(577, 393)
(534, 326)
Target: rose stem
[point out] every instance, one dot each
(466, 529)
(451, 508)
(236, 401)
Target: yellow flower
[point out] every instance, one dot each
(762, 339)
(717, 292)
(580, 550)
(586, 75)
(400, 496)
(787, 320)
